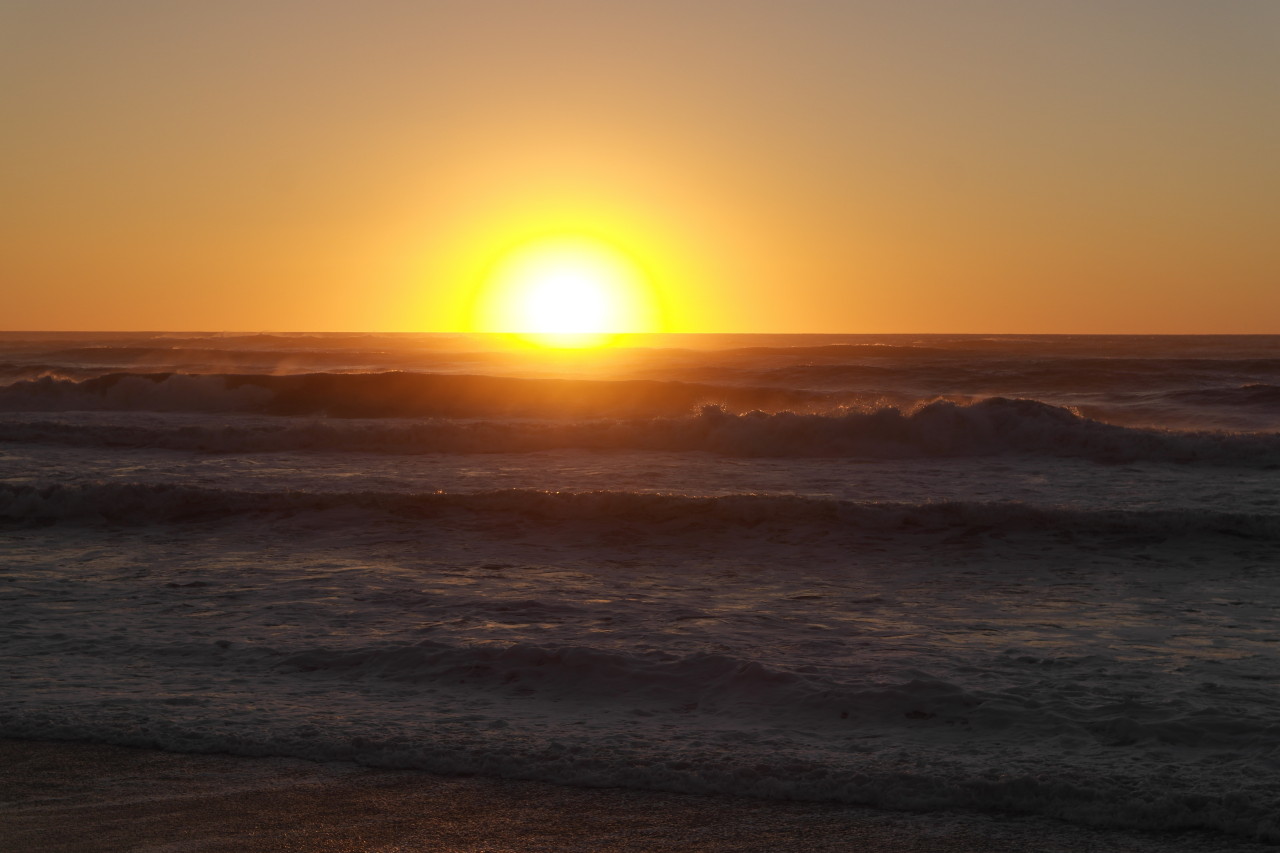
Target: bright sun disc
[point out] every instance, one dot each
(566, 291)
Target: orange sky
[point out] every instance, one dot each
(805, 166)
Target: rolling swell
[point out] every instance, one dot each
(141, 503)
(990, 427)
(989, 375)
(393, 394)
(1257, 395)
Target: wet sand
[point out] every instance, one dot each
(87, 797)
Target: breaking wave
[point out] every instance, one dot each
(942, 428)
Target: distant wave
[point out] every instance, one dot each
(1257, 395)
(100, 360)
(11, 372)
(981, 373)
(352, 391)
(394, 394)
(990, 427)
(144, 503)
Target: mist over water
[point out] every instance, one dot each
(1188, 383)
(1032, 574)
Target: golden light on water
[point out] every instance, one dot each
(567, 290)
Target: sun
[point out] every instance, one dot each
(566, 290)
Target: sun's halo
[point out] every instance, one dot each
(566, 291)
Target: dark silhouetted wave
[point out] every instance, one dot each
(989, 427)
(394, 394)
(1007, 375)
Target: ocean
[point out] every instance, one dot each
(1029, 575)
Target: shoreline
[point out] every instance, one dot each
(71, 797)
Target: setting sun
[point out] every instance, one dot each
(862, 417)
(566, 291)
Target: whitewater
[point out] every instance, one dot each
(1011, 574)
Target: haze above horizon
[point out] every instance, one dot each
(809, 167)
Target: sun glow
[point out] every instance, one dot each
(566, 291)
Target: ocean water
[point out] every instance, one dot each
(1028, 574)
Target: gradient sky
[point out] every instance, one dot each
(800, 166)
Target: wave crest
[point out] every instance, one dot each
(988, 427)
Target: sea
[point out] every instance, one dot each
(1022, 575)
